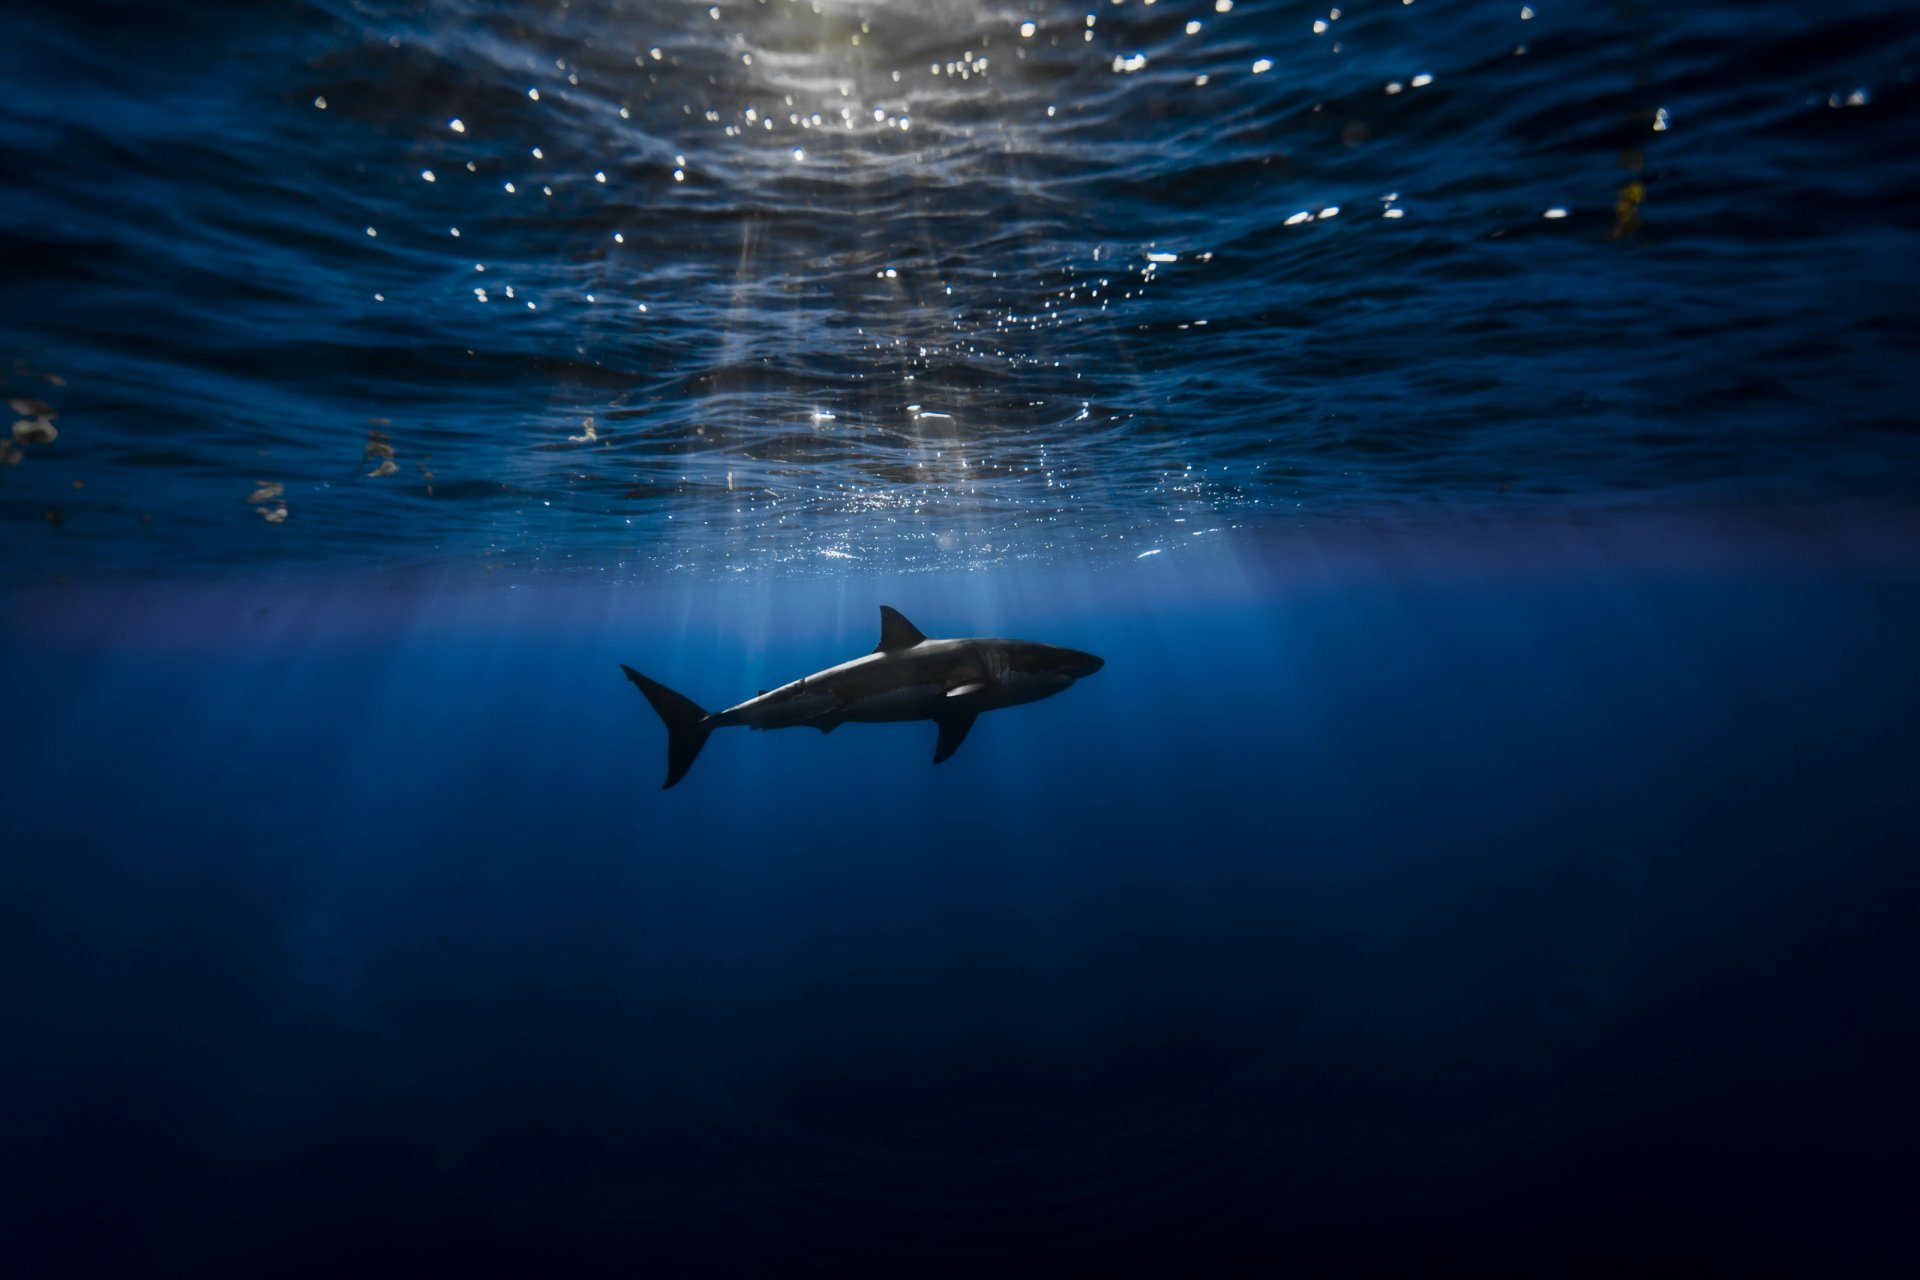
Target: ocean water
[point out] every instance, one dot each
(1479, 438)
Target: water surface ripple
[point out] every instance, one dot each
(789, 282)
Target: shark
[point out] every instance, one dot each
(906, 677)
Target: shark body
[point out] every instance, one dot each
(906, 677)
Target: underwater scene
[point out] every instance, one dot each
(1348, 578)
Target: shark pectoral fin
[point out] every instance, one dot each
(953, 731)
(962, 690)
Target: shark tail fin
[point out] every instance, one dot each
(687, 725)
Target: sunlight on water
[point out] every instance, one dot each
(946, 283)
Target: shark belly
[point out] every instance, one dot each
(879, 706)
(1016, 688)
(870, 690)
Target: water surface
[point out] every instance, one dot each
(632, 286)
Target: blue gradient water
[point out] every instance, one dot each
(1482, 447)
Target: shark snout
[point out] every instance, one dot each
(1080, 665)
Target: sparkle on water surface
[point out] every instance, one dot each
(1144, 264)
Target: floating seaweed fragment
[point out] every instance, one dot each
(26, 370)
(10, 454)
(381, 447)
(588, 434)
(266, 491)
(34, 427)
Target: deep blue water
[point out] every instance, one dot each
(1482, 446)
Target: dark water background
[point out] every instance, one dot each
(1420, 905)
(1489, 847)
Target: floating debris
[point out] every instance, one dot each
(381, 447)
(1626, 210)
(589, 434)
(52, 516)
(266, 491)
(34, 427)
(10, 454)
(26, 370)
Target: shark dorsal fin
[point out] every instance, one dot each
(896, 633)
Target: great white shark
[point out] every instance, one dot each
(906, 677)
